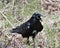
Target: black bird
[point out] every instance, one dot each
(30, 27)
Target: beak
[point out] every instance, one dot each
(41, 19)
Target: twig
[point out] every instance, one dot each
(6, 19)
(3, 9)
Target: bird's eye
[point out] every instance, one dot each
(38, 16)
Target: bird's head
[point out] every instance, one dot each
(37, 16)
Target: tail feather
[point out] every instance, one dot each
(16, 30)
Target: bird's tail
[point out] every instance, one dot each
(15, 30)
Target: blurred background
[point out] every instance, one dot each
(15, 12)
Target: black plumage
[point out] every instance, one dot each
(30, 27)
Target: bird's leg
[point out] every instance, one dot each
(33, 42)
(28, 41)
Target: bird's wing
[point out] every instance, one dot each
(26, 26)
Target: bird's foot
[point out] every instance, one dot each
(28, 43)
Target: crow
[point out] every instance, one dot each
(30, 27)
